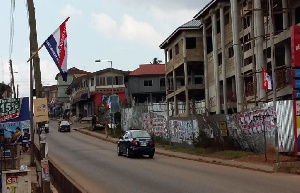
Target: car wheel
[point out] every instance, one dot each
(128, 153)
(151, 156)
(118, 150)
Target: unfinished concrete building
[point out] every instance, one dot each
(184, 73)
(238, 39)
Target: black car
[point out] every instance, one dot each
(64, 126)
(136, 143)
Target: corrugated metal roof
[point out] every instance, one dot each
(193, 24)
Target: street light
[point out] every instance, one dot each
(112, 86)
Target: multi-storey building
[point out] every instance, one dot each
(239, 38)
(184, 73)
(146, 84)
(89, 93)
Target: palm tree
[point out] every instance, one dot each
(155, 61)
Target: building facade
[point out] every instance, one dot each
(146, 84)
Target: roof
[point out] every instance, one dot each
(206, 8)
(149, 69)
(73, 71)
(193, 24)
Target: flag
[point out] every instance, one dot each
(108, 103)
(56, 45)
(266, 80)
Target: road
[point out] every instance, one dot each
(94, 164)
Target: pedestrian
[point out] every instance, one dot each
(106, 127)
(94, 121)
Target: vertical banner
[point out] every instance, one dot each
(297, 126)
(40, 110)
(295, 45)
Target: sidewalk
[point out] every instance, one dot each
(232, 163)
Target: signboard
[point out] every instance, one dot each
(9, 109)
(296, 73)
(16, 130)
(297, 83)
(296, 94)
(40, 110)
(295, 45)
(223, 128)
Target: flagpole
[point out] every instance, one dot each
(35, 53)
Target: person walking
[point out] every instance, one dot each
(106, 127)
(94, 121)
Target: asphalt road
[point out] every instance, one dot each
(94, 164)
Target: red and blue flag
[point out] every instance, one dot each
(56, 45)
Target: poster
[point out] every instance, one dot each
(45, 169)
(40, 109)
(15, 129)
(223, 128)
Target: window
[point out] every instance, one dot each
(198, 80)
(230, 52)
(102, 81)
(218, 26)
(297, 13)
(246, 22)
(226, 19)
(278, 22)
(119, 80)
(147, 82)
(92, 81)
(170, 54)
(176, 49)
(209, 44)
(220, 59)
(191, 43)
(109, 80)
(162, 82)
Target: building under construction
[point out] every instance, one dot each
(220, 55)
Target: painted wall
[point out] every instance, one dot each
(245, 131)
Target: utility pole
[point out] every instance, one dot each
(34, 47)
(12, 80)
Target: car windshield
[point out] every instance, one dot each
(140, 134)
(64, 123)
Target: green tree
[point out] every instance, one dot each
(155, 61)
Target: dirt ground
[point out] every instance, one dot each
(269, 158)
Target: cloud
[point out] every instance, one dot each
(69, 10)
(104, 24)
(129, 30)
(142, 32)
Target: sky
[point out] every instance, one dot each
(127, 32)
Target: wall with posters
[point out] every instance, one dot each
(15, 120)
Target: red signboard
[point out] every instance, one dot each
(295, 45)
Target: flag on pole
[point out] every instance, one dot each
(56, 45)
(266, 80)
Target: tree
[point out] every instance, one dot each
(155, 61)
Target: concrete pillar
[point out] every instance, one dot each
(259, 42)
(216, 63)
(205, 66)
(287, 48)
(175, 97)
(222, 23)
(186, 76)
(235, 14)
(166, 81)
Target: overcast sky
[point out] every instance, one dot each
(128, 32)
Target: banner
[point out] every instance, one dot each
(295, 45)
(40, 110)
(9, 108)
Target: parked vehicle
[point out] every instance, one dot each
(46, 127)
(136, 143)
(64, 126)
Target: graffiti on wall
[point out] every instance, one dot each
(182, 131)
(252, 122)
